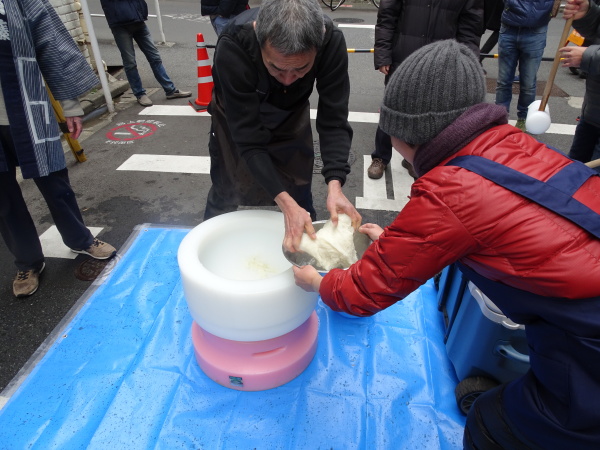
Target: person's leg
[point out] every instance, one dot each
(142, 36)
(16, 225)
(531, 45)
(124, 40)
(381, 156)
(216, 204)
(584, 142)
(63, 207)
(508, 55)
(487, 426)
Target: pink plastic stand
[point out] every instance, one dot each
(257, 365)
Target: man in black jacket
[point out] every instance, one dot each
(222, 11)
(265, 66)
(127, 21)
(404, 26)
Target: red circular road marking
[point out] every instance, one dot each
(132, 131)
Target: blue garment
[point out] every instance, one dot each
(124, 36)
(40, 49)
(219, 23)
(527, 13)
(525, 47)
(555, 404)
(124, 12)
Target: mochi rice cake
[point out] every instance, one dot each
(334, 246)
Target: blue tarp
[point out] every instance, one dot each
(122, 375)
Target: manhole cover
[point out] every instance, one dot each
(318, 164)
(89, 269)
(540, 86)
(347, 20)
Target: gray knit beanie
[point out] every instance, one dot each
(429, 90)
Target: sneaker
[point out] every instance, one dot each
(144, 100)
(179, 94)
(520, 124)
(376, 169)
(408, 166)
(27, 282)
(98, 250)
(517, 79)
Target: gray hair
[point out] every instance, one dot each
(290, 26)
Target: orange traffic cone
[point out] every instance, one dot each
(205, 81)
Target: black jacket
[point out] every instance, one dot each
(223, 8)
(404, 26)
(589, 27)
(124, 12)
(242, 83)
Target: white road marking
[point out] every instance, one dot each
(172, 110)
(53, 246)
(353, 117)
(374, 191)
(167, 163)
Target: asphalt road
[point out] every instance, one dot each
(114, 200)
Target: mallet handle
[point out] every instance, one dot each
(594, 163)
(550, 82)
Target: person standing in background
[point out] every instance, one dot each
(127, 22)
(35, 47)
(222, 11)
(524, 25)
(404, 26)
(586, 21)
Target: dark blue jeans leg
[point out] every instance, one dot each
(64, 209)
(586, 138)
(16, 225)
(383, 146)
(142, 36)
(124, 39)
(531, 46)
(508, 56)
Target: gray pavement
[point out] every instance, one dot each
(116, 201)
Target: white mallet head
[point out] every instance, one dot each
(537, 122)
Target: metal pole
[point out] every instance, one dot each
(160, 27)
(97, 57)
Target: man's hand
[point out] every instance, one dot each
(576, 9)
(384, 69)
(297, 219)
(338, 203)
(307, 278)
(371, 230)
(75, 126)
(571, 56)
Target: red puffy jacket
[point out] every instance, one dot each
(454, 214)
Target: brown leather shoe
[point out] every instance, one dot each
(27, 282)
(376, 169)
(408, 166)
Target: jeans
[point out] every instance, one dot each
(219, 23)
(586, 143)
(124, 36)
(16, 225)
(525, 47)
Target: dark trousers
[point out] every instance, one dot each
(16, 225)
(216, 204)
(383, 147)
(488, 428)
(585, 143)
